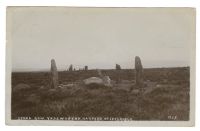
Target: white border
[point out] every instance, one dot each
(102, 3)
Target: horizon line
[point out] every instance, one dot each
(59, 70)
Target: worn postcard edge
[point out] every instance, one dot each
(8, 120)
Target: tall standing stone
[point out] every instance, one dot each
(118, 73)
(139, 71)
(54, 74)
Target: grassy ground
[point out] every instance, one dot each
(165, 97)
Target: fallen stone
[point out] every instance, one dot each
(135, 91)
(106, 79)
(21, 86)
(93, 80)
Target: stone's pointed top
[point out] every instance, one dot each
(137, 58)
(53, 65)
(138, 63)
(53, 60)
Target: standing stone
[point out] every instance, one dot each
(118, 67)
(54, 74)
(118, 73)
(139, 72)
(71, 67)
(86, 68)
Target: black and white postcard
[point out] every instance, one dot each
(100, 66)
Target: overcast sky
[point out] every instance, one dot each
(99, 37)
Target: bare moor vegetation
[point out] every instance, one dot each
(165, 95)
